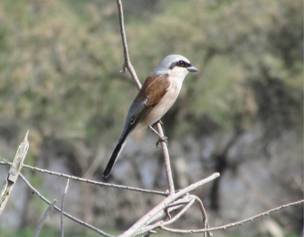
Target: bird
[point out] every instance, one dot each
(157, 95)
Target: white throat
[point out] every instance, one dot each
(178, 73)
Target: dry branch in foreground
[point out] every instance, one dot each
(181, 204)
(13, 172)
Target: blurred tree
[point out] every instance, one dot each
(60, 62)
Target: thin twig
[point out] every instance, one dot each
(43, 218)
(62, 207)
(127, 61)
(204, 214)
(68, 215)
(129, 66)
(90, 181)
(237, 223)
(13, 172)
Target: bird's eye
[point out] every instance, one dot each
(182, 63)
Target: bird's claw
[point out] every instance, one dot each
(161, 139)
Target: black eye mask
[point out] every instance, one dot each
(180, 63)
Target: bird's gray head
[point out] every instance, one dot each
(175, 65)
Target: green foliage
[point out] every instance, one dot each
(60, 63)
(60, 60)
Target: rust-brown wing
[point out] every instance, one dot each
(154, 88)
(152, 91)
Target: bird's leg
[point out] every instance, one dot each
(155, 131)
(161, 138)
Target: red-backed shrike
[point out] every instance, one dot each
(155, 98)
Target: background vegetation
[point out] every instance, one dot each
(241, 115)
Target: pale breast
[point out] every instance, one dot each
(159, 110)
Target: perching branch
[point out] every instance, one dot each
(143, 223)
(13, 172)
(129, 66)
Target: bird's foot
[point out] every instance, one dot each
(162, 139)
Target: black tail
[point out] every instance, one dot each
(115, 153)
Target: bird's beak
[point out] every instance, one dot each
(192, 69)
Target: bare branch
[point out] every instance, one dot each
(43, 218)
(237, 223)
(204, 214)
(90, 181)
(71, 217)
(62, 207)
(129, 66)
(13, 172)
